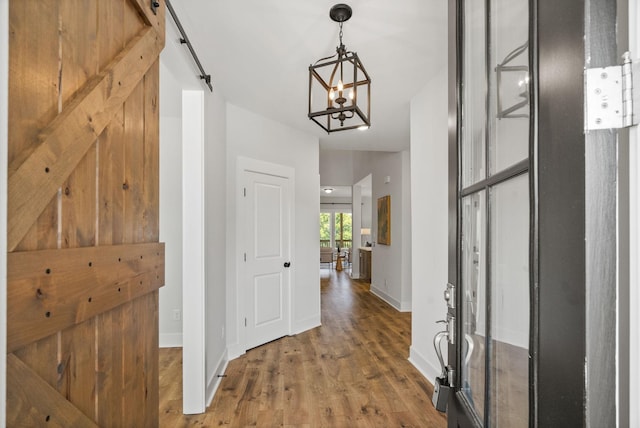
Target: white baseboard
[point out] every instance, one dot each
(428, 370)
(170, 340)
(216, 377)
(234, 351)
(306, 324)
(397, 305)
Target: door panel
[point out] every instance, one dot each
(509, 83)
(509, 346)
(268, 298)
(85, 264)
(474, 94)
(267, 279)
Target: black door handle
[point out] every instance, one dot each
(287, 264)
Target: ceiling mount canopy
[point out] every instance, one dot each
(339, 86)
(340, 12)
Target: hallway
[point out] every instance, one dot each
(351, 372)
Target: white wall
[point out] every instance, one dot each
(390, 276)
(429, 159)
(170, 209)
(193, 266)
(253, 136)
(215, 237)
(336, 167)
(177, 73)
(367, 214)
(4, 115)
(405, 269)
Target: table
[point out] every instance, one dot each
(339, 262)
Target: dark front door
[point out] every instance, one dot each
(491, 266)
(532, 203)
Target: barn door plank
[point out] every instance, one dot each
(33, 402)
(133, 162)
(109, 381)
(79, 56)
(78, 199)
(132, 20)
(151, 157)
(77, 367)
(42, 357)
(111, 181)
(154, 20)
(150, 307)
(34, 65)
(66, 140)
(110, 345)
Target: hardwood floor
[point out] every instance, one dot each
(351, 372)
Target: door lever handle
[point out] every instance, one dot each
(287, 264)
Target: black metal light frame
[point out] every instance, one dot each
(332, 116)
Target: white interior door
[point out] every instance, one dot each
(267, 272)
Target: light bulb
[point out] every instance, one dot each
(332, 94)
(351, 94)
(340, 85)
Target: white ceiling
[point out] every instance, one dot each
(258, 53)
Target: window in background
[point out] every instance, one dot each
(325, 229)
(343, 230)
(336, 230)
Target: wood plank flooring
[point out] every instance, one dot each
(351, 372)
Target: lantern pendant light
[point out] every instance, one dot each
(339, 86)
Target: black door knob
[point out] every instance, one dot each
(287, 264)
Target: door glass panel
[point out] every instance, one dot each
(494, 242)
(509, 82)
(509, 275)
(474, 92)
(474, 299)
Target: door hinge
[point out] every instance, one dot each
(610, 99)
(245, 322)
(244, 192)
(245, 257)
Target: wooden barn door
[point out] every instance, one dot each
(84, 262)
